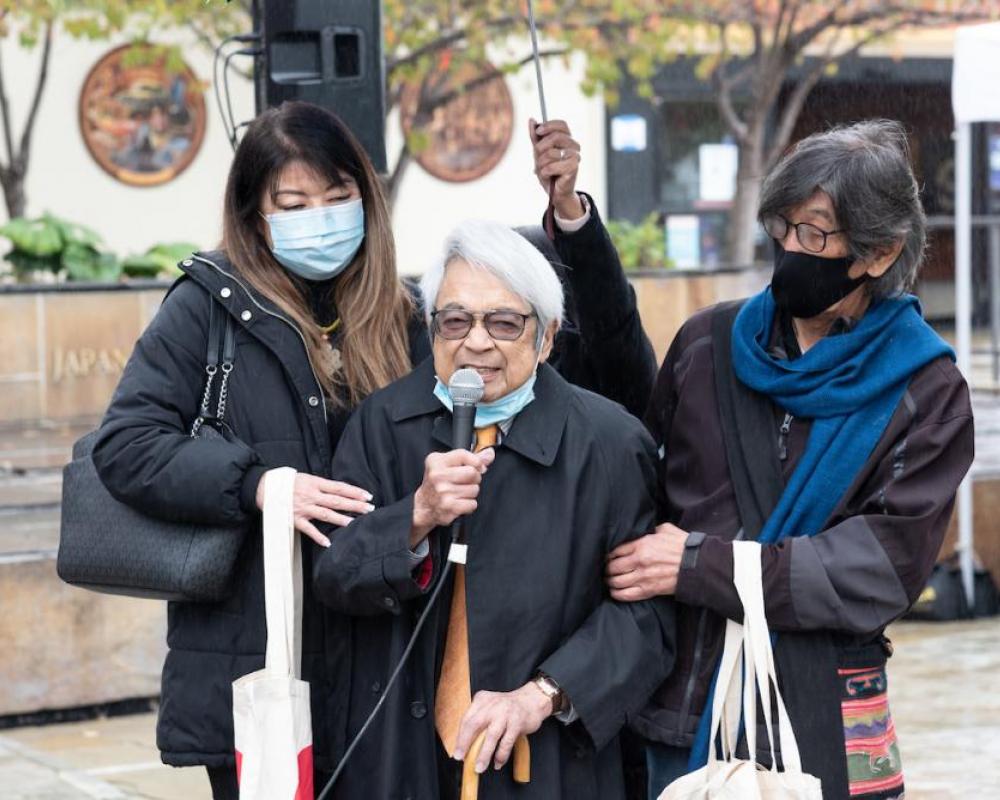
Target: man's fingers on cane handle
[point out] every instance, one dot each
(494, 732)
(505, 747)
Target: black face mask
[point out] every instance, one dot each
(805, 285)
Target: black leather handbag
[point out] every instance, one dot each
(108, 546)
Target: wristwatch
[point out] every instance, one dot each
(551, 690)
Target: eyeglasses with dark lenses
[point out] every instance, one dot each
(456, 323)
(810, 237)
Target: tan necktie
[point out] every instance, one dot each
(454, 689)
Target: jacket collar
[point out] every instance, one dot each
(536, 432)
(216, 274)
(266, 323)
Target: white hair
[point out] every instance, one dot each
(509, 257)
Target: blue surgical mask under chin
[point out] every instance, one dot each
(318, 243)
(498, 410)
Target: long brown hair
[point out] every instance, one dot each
(373, 305)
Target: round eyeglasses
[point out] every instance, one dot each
(810, 237)
(456, 323)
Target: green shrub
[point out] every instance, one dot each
(51, 244)
(160, 259)
(640, 245)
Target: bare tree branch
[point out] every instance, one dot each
(888, 10)
(794, 7)
(43, 74)
(203, 38)
(448, 39)
(501, 24)
(776, 30)
(395, 179)
(394, 94)
(796, 100)
(5, 113)
(724, 90)
(758, 38)
(483, 79)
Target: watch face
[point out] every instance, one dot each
(550, 690)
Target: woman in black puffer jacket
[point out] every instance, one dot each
(308, 274)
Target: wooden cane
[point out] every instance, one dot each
(522, 760)
(470, 778)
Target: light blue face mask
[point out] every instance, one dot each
(497, 410)
(318, 243)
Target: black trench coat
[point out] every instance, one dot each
(574, 478)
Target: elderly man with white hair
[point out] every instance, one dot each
(526, 669)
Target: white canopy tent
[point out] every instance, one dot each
(975, 97)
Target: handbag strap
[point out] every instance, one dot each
(221, 340)
(748, 578)
(747, 419)
(282, 576)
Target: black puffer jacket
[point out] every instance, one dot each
(146, 458)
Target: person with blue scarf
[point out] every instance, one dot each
(526, 670)
(824, 418)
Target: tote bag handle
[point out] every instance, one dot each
(282, 576)
(748, 578)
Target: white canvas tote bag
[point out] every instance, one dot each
(750, 644)
(271, 717)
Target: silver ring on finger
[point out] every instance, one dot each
(562, 154)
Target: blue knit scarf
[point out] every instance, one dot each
(849, 385)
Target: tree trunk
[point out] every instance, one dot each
(395, 179)
(12, 181)
(743, 214)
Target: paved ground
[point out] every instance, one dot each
(945, 679)
(944, 685)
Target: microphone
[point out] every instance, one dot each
(466, 389)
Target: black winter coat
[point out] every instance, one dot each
(601, 345)
(574, 478)
(146, 458)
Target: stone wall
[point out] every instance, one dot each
(62, 352)
(667, 299)
(65, 647)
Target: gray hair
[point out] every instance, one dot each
(865, 170)
(509, 257)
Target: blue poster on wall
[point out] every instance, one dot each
(994, 158)
(683, 240)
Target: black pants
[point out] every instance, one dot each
(225, 786)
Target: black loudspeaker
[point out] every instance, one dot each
(327, 52)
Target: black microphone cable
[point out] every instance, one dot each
(246, 51)
(442, 579)
(242, 38)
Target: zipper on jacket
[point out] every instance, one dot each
(699, 648)
(276, 316)
(786, 426)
